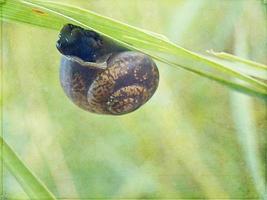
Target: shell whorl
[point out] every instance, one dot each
(129, 80)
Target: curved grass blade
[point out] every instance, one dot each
(234, 86)
(141, 40)
(251, 68)
(234, 58)
(34, 188)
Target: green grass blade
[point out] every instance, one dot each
(245, 122)
(54, 15)
(234, 86)
(251, 68)
(258, 73)
(34, 188)
(234, 58)
(142, 39)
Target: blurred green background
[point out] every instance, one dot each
(193, 139)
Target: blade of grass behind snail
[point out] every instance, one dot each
(141, 40)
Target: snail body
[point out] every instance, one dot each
(102, 77)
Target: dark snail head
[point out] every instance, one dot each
(76, 41)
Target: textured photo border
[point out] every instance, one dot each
(1, 82)
(2, 195)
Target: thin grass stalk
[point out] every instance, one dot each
(33, 186)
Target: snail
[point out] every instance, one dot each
(102, 77)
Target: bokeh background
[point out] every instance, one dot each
(194, 139)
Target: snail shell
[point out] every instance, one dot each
(102, 77)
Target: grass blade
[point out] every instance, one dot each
(245, 122)
(245, 66)
(34, 188)
(234, 58)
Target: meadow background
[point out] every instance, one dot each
(194, 139)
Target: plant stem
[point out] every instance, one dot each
(34, 188)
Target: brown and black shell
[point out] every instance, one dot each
(123, 83)
(130, 80)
